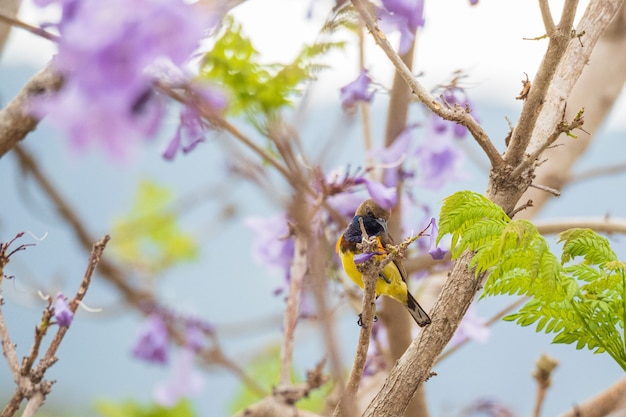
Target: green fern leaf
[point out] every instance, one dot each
(583, 303)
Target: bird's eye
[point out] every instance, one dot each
(369, 213)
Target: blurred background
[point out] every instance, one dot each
(224, 285)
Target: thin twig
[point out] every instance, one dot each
(369, 271)
(546, 15)
(94, 260)
(524, 206)
(547, 189)
(142, 300)
(30, 28)
(562, 127)
(8, 348)
(543, 375)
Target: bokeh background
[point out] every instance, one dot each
(225, 286)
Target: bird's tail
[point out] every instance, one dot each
(417, 312)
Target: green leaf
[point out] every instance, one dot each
(149, 237)
(582, 303)
(132, 408)
(259, 90)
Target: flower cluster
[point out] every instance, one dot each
(107, 95)
(152, 345)
(404, 16)
(356, 91)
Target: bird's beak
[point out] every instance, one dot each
(383, 223)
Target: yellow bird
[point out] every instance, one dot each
(392, 279)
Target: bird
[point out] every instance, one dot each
(392, 280)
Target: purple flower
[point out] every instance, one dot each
(472, 327)
(152, 344)
(107, 96)
(405, 16)
(435, 252)
(489, 408)
(360, 258)
(439, 159)
(273, 247)
(192, 127)
(62, 312)
(184, 382)
(453, 96)
(386, 197)
(194, 338)
(356, 91)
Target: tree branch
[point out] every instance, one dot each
(8, 8)
(603, 404)
(142, 300)
(546, 15)
(560, 38)
(597, 90)
(455, 114)
(370, 271)
(599, 224)
(15, 120)
(413, 368)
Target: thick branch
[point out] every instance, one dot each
(370, 271)
(413, 368)
(603, 404)
(560, 37)
(597, 90)
(606, 225)
(15, 121)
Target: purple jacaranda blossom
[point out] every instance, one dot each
(192, 128)
(473, 2)
(274, 246)
(152, 344)
(356, 91)
(184, 382)
(62, 312)
(68, 7)
(342, 186)
(439, 159)
(384, 196)
(436, 252)
(107, 95)
(487, 407)
(453, 96)
(360, 258)
(402, 15)
(472, 327)
(194, 338)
